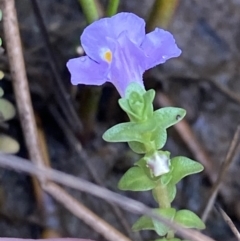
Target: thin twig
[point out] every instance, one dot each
(64, 100)
(229, 222)
(73, 142)
(224, 167)
(19, 79)
(90, 218)
(20, 164)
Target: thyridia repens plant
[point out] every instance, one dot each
(119, 51)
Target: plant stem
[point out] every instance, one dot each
(112, 7)
(89, 9)
(162, 196)
(161, 14)
(163, 201)
(90, 96)
(170, 234)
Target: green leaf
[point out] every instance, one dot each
(143, 223)
(138, 103)
(8, 145)
(182, 167)
(172, 191)
(167, 213)
(7, 110)
(137, 147)
(148, 100)
(127, 132)
(169, 116)
(188, 219)
(123, 133)
(125, 106)
(136, 180)
(167, 177)
(159, 137)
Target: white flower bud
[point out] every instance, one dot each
(159, 163)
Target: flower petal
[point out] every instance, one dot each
(129, 23)
(159, 46)
(95, 37)
(127, 65)
(86, 71)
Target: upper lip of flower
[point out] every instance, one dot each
(119, 51)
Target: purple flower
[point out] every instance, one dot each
(119, 51)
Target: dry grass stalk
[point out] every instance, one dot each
(229, 222)
(19, 164)
(224, 167)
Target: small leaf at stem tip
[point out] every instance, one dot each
(134, 87)
(138, 103)
(143, 223)
(189, 219)
(182, 167)
(136, 180)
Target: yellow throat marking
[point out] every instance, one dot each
(108, 56)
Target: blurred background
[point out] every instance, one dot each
(204, 80)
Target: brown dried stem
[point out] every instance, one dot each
(74, 142)
(230, 223)
(19, 164)
(84, 213)
(224, 167)
(19, 79)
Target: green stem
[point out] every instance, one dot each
(161, 14)
(90, 96)
(162, 196)
(163, 201)
(112, 7)
(90, 10)
(170, 235)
